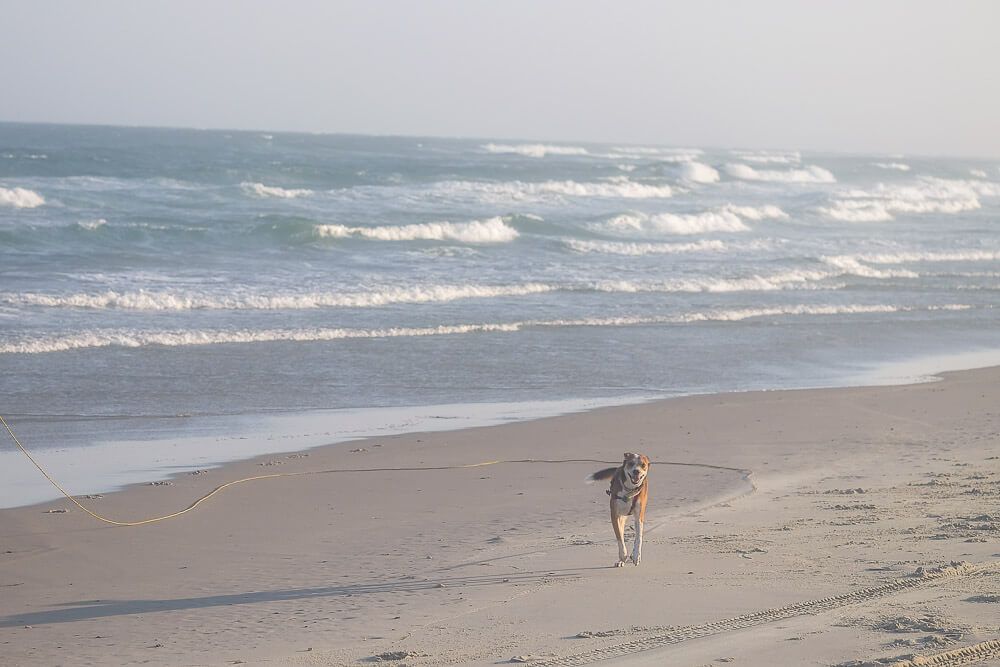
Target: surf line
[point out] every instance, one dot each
(746, 474)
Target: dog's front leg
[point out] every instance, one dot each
(618, 523)
(637, 546)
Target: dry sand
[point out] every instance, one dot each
(824, 556)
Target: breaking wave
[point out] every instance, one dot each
(136, 338)
(20, 198)
(637, 249)
(535, 150)
(696, 172)
(675, 223)
(809, 174)
(898, 166)
(728, 218)
(929, 195)
(175, 300)
(909, 257)
(493, 230)
(769, 157)
(261, 190)
(520, 190)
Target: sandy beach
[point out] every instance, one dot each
(817, 527)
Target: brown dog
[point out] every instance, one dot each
(629, 493)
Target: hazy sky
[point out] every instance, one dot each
(903, 76)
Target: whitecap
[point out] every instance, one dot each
(728, 218)
(898, 166)
(493, 230)
(621, 188)
(138, 338)
(696, 172)
(175, 300)
(261, 190)
(808, 174)
(20, 198)
(638, 249)
(534, 150)
(769, 157)
(927, 195)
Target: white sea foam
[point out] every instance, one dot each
(674, 223)
(620, 188)
(769, 157)
(180, 300)
(808, 174)
(696, 172)
(261, 190)
(91, 225)
(676, 155)
(852, 265)
(784, 280)
(137, 338)
(493, 230)
(898, 166)
(728, 218)
(20, 198)
(637, 249)
(927, 195)
(535, 150)
(766, 212)
(912, 257)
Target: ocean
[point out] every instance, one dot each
(171, 299)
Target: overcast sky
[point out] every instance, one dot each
(900, 76)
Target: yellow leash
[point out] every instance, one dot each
(256, 477)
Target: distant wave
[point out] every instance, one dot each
(520, 190)
(977, 173)
(696, 172)
(928, 195)
(910, 257)
(261, 190)
(852, 265)
(675, 223)
(766, 212)
(91, 225)
(653, 150)
(809, 174)
(535, 150)
(636, 249)
(493, 230)
(20, 198)
(137, 338)
(728, 218)
(672, 155)
(178, 300)
(769, 157)
(898, 166)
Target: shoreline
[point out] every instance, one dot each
(855, 488)
(233, 439)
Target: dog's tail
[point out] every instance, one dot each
(607, 473)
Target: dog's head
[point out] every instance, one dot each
(636, 467)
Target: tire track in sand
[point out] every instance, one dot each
(967, 655)
(682, 634)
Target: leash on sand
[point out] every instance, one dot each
(219, 488)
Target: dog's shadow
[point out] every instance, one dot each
(71, 612)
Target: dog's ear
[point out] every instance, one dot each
(645, 460)
(628, 455)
